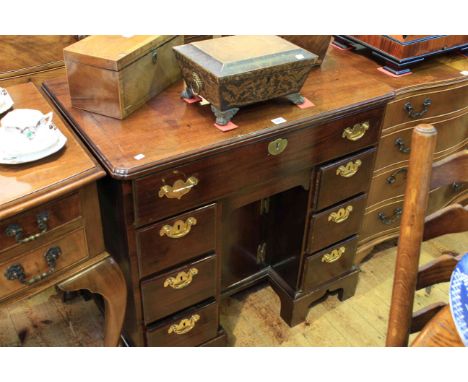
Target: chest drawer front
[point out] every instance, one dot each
(431, 103)
(343, 179)
(178, 289)
(176, 240)
(395, 147)
(42, 262)
(164, 194)
(329, 263)
(190, 328)
(38, 222)
(335, 223)
(387, 218)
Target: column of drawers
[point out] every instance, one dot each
(445, 107)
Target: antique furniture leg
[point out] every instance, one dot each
(187, 93)
(296, 98)
(294, 310)
(104, 278)
(223, 117)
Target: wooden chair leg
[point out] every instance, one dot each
(104, 278)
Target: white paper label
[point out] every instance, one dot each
(278, 120)
(204, 102)
(465, 72)
(299, 56)
(139, 156)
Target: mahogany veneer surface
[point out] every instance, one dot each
(167, 129)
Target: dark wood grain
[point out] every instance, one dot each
(437, 271)
(333, 186)
(205, 328)
(160, 300)
(421, 317)
(317, 271)
(157, 252)
(323, 232)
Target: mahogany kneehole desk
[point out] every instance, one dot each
(192, 214)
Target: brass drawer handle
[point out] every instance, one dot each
(178, 189)
(277, 146)
(182, 279)
(348, 170)
(15, 230)
(179, 229)
(401, 145)
(417, 114)
(341, 215)
(333, 255)
(356, 132)
(392, 178)
(184, 326)
(16, 271)
(387, 220)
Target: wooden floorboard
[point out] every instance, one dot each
(250, 318)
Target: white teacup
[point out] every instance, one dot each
(26, 131)
(5, 100)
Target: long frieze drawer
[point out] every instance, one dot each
(386, 218)
(343, 179)
(190, 328)
(176, 240)
(329, 263)
(32, 267)
(335, 223)
(396, 147)
(38, 222)
(181, 188)
(176, 290)
(426, 105)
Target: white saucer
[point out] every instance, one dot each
(59, 141)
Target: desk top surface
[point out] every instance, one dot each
(166, 130)
(26, 185)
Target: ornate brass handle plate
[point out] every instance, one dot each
(417, 114)
(341, 215)
(182, 279)
(356, 132)
(16, 271)
(387, 220)
(178, 189)
(333, 255)
(179, 229)
(277, 146)
(184, 326)
(348, 170)
(16, 231)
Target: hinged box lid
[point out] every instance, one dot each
(113, 52)
(233, 55)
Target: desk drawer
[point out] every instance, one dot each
(395, 147)
(335, 223)
(176, 290)
(387, 218)
(38, 222)
(176, 240)
(442, 101)
(190, 328)
(344, 179)
(328, 264)
(62, 252)
(164, 194)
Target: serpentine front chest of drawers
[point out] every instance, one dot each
(193, 214)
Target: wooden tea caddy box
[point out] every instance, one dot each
(115, 75)
(235, 71)
(401, 52)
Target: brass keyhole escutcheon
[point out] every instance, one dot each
(179, 229)
(277, 146)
